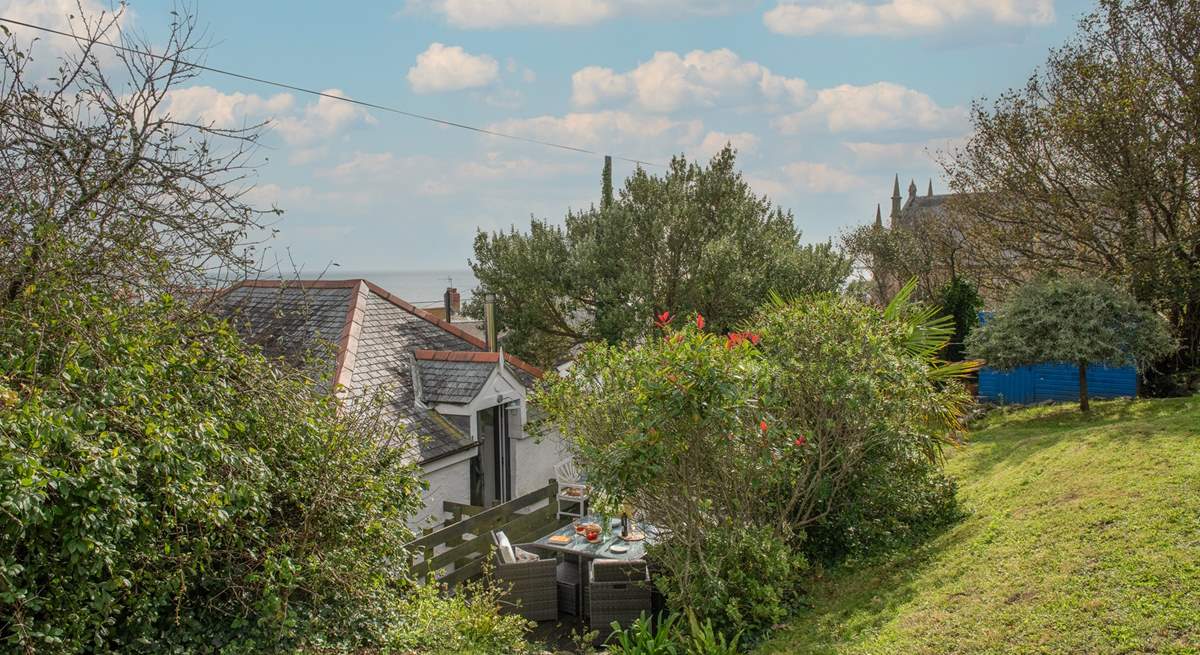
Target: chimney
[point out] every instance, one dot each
(489, 320)
(451, 302)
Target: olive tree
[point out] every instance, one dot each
(1071, 319)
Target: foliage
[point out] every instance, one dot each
(896, 499)
(735, 443)
(694, 239)
(927, 252)
(468, 622)
(960, 300)
(1091, 167)
(644, 637)
(704, 639)
(744, 580)
(93, 161)
(1078, 320)
(1081, 538)
(164, 489)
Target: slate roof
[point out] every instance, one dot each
(452, 382)
(370, 335)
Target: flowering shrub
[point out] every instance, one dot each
(732, 443)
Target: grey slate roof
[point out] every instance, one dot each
(452, 382)
(368, 336)
(288, 323)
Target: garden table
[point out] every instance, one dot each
(583, 549)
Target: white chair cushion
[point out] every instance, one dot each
(524, 555)
(506, 550)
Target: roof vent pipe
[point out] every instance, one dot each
(489, 320)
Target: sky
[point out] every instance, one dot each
(825, 101)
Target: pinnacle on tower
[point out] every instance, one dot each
(878, 217)
(895, 214)
(912, 188)
(930, 192)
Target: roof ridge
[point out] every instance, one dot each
(449, 327)
(347, 354)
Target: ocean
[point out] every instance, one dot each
(421, 288)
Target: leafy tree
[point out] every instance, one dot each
(694, 239)
(1078, 320)
(1091, 167)
(960, 301)
(928, 252)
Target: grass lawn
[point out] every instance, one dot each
(1083, 537)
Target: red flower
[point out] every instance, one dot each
(699, 321)
(677, 338)
(663, 319)
(762, 425)
(800, 440)
(754, 338)
(733, 339)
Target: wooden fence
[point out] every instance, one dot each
(463, 542)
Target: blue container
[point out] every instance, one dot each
(1054, 381)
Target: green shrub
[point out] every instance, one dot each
(645, 637)
(745, 581)
(894, 500)
(704, 639)
(165, 489)
(737, 444)
(467, 622)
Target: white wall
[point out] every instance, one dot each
(534, 460)
(451, 482)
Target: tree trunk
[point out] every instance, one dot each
(1083, 391)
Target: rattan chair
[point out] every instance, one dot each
(618, 591)
(528, 588)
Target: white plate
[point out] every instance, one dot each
(617, 548)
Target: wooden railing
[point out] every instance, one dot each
(460, 546)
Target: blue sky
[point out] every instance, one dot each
(826, 99)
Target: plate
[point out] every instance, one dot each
(617, 548)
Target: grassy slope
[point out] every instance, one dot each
(1084, 537)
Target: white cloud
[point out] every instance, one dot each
(606, 129)
(302, 126)
(64, 16)
(744, 142)
(817, 177)
(208, 106)
(903, 17)
(670, 81)
(899, 155)
(450, 68)
(493, 14)
(874, 107)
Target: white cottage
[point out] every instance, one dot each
(464, 400)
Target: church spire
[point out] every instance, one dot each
(895, 215)
(878, 217)
(912, 189)
(930, 192)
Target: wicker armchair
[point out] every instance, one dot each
(617, 591)
(528, 588)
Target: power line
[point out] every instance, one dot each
(293, 87)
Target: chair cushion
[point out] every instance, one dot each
(523, 555)
(505, 549)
